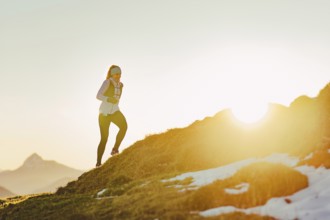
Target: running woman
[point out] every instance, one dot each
(110, 93)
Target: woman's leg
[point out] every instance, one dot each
(104, 124)
(119, 119)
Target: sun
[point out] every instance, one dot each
(249, 112)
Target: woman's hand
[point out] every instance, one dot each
(112, 100)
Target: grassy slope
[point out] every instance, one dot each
(150, 199)
(132, 177)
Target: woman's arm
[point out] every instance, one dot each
(101, 91)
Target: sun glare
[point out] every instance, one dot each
(249, 113)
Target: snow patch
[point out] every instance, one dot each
(309, 156)
(99, 194)
(238, 189)
(144, 184)
(205, 177)
(220, 211)
(307, 204)
(284, 159)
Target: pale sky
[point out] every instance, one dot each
(181, 60)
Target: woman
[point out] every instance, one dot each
(110, 93)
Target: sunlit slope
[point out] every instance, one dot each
(218, 140)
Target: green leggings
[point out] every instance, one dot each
(104, 123)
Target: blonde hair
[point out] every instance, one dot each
(109, 71)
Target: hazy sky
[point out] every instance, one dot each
(181, 60)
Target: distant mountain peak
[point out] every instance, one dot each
(37, 174)
(33, 160)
